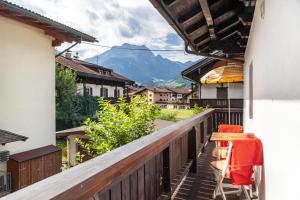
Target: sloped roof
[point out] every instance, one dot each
(83, 68)
(181, 90)
(7, 137)
(60, 32)
(154, 89)
(34, 153)
(210, 25)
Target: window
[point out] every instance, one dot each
(222, 92)
(150, 99)
(150, 95)
(88, 91)
(103, 92)
(179, 96)
(251, 91)
(161, 95)
(116, 93)
(160, 100)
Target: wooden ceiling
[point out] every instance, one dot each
(61, 33)
(210, 25)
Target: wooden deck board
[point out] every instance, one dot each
(200, 186)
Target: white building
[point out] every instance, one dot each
(263, 36)
(96, 80)
(27, 70)
(222, 91)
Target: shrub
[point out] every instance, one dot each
(197, 109)
(119, 124)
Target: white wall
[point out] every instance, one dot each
(27, 85)
(96, 89)
(209, 91)
(273, 47)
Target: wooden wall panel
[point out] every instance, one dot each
(141, 183)
(116, 192)
(104, 195)
(25, 175)
(37, 169)
(134, 186)
(126, 189)
(31, 171)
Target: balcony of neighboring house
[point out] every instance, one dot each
(221, 87)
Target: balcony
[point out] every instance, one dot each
(172, 162)
(217, 103)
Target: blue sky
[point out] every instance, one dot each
(112, 22)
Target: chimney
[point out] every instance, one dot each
(68, 54)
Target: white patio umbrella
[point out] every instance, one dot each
(225, 74)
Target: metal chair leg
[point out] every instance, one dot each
(215, 192)
(246, 192)
(222, 192)
(251, 190)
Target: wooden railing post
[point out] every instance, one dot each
(166, 171)
(192, 149)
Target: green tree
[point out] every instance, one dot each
(66, 94)
(118, 124)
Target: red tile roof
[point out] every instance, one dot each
(155, 89)
(181, 90)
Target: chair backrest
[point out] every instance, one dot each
(227, 160)
(230, 128)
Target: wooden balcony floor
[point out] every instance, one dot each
(200, 186)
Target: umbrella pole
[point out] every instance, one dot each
(228, 103)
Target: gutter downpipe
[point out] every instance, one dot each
(212, 56)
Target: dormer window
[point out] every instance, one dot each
(107, 73)
(100, 71)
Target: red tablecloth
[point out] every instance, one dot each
(228, 128)
(245, 154)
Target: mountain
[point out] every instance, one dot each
(143, 66)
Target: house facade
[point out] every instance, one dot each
(180, 95)
(272, 95)
(213, 94)
(263, 37)
(27, 104)
(167, 98)
(95, 80)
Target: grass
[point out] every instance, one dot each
(175, 115)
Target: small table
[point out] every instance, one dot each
(219, 136)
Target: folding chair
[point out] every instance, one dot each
(220, 149)
(220, 168)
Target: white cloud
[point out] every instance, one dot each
(112, 22)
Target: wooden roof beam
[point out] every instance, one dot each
(208, 18)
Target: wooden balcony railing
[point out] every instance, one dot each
(148, 168)
(217, 103)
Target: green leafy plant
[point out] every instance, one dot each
(118, 124)
(197, 109)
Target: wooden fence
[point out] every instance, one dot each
(148, 168)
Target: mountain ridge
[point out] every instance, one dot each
(139, 64)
